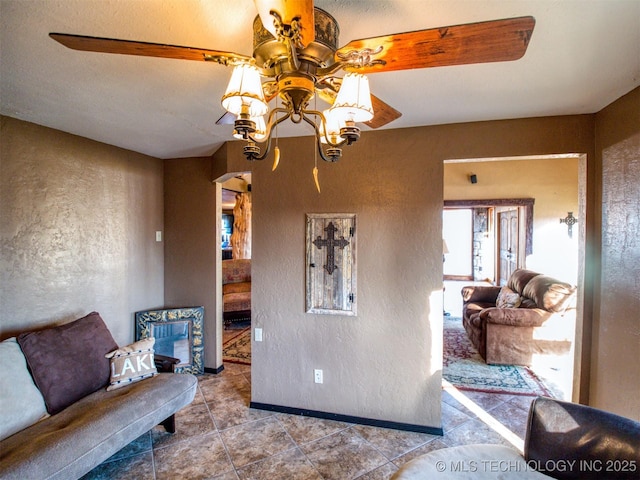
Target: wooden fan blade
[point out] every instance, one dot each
(145, 49)
(383, 113)
(492, 41)
(288, 11)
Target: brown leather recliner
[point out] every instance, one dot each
(564, 441)
(540, 320)
(591, 443)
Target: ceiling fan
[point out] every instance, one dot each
(296, 51)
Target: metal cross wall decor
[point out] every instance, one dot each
(330, 243)
(570, 220)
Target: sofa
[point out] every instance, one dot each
(236, 290)
(532, 315)
(70, 398)
(565, 441)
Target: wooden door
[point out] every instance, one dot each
(509, 239)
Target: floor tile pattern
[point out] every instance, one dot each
(219, 437)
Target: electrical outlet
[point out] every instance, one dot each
(158, 236)
(258, 334)
(317, 375)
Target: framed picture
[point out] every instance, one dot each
(178, 333)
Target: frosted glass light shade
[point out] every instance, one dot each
(244, 92)
(353, 101)
(261, 129)
(332, 127)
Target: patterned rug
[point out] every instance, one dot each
(465, 369)
(237, 348)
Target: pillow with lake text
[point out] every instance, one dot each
(132, 363)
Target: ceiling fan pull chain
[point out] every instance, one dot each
(315, 151)
(276, 158)
(276, 150)
(315, 178)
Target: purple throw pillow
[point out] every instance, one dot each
(68, 362)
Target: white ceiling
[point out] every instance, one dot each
(583, 55)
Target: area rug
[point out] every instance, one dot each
(465, 369)
(237, 348)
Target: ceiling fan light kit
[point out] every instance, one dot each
(297, 70)
(295, 47)
(244, 92)
(354, 99)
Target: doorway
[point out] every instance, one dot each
(554, 184)
(499, 237)
(457, 236)
(234, 284)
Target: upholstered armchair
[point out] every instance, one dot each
(532, 315)
(236, 290)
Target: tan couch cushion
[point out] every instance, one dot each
(519, 280)
(71, 443)
(549, 293)
(236, 302)
(241, 287)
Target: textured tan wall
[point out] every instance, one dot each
(77, 230)
(615, 371)
(553, 183)
(190, 245)
(78, 219)
(385, 363)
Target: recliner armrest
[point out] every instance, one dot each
(480, 293)
(581, 442)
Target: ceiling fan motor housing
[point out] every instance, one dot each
(271, 55)
(296, 88)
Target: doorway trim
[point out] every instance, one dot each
(526, 203)
(583, 332)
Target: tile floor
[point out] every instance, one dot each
(219, 437)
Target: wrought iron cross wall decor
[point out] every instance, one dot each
(330, 243)
(331, 290)
(570, 220)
